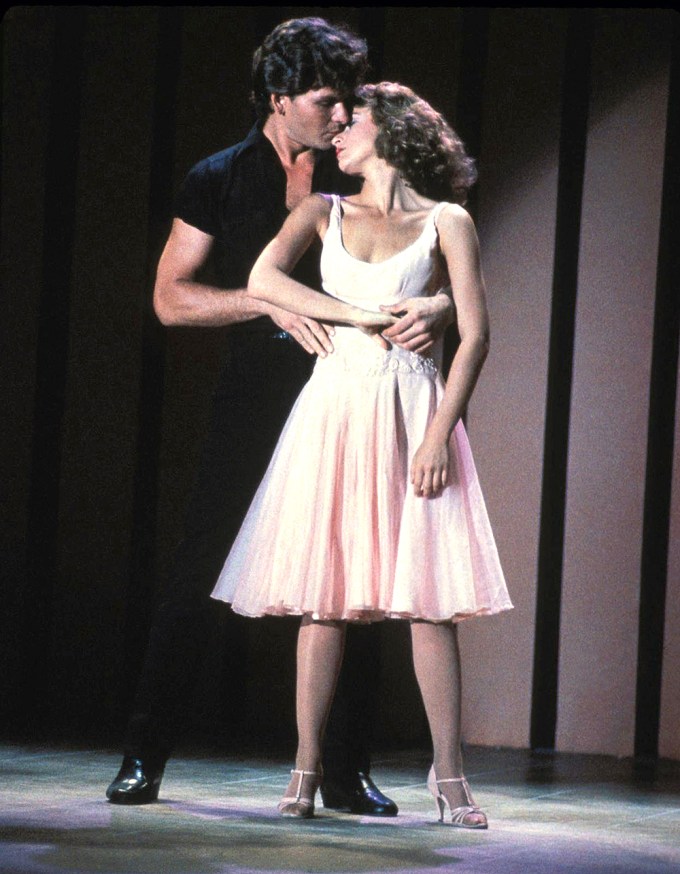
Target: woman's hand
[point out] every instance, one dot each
(374, 324)
(430, 467)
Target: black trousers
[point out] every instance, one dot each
(261, 380)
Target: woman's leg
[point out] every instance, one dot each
(319, 656)
(436, 659)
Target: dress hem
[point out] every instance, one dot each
(367, 615)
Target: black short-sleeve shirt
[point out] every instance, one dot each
(238, 196)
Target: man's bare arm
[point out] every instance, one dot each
(179, 299)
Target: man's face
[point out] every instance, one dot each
(312, 119)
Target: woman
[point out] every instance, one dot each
(336, 532)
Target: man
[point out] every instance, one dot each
(229, 207)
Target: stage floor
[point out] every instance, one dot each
(552, 814)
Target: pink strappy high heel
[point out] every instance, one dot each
(458, 816)
(301, 805)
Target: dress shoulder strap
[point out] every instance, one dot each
(436, 211)
(335, 216)
(333, 235)
(337, 205)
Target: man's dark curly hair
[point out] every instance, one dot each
(416, 140)
(305, 54)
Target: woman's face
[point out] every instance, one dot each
(355, 145)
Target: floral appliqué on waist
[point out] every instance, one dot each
(380, 364)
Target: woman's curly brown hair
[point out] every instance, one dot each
(416, 140)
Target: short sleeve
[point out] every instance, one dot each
(197, 201)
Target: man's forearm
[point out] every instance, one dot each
(196, 304)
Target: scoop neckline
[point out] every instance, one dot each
(391, 257)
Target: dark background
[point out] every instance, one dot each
(104, 111)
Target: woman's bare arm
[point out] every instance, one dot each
(459, 245)
(270, 280)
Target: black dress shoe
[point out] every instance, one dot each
(360, 796)
(138, 782)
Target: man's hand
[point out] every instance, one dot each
(422, 321)
(313, 336)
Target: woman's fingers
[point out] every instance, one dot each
(428, 480)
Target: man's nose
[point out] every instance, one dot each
(340, 114)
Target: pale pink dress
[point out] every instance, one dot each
(335, 529)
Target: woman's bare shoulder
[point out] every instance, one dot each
(454, 221)
(454, 214)
(316, 204)
(313, 211)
